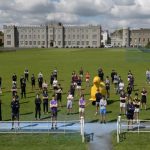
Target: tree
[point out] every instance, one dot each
(148, 45)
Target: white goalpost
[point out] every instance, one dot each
(138, 126)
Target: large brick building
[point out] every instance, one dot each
(52, 35)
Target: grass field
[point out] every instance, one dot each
(67, 60)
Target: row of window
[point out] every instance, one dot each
(32, 42)
(80, 42)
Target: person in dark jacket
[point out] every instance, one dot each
(38, 106)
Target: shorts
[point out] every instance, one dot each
(129, 116)
(102, 111)
(137, 110)
(69, 104)
(87, 80)
(143, 99)
(97, 104)
(122, 104)
(53, 113)
(78, 87)
(81, 110)
(15, 116)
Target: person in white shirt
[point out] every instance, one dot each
(69, 103)
(55, 84)
(148, 76)
(103, 104)
(121, 86)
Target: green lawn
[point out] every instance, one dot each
(41, 141)
(67, 60)
(133, 141)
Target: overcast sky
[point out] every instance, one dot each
(111, 14)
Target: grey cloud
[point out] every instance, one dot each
(124, 2)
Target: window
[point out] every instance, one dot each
(94, 36)
(69, 42)
(39, 42)
(59, 36)
(25, 36)
(34, 42)
(38, 36)
(78, 42)
(73, 36)
(30, 36)
(21, 42)
(87, 36)
(43, 42)
(73, 42)
(82, 42)
(82, 36)
(8, 36)
(59, 42)
(87, 42)
(69, 36)
(78, 36)
(21, 36)
(94, 43)
(34, 36)
(26, 42)
(65, 42)
(30, 42)
(8, 42)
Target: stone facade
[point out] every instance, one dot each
(52, 35)
(130, 37)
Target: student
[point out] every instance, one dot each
(33, 81)
(107, 83)
(69, 103)
(55, 84)
(148, 76)
(136, 103)
(116, 82)
(79, 83)
(15, 111)
(121, 86)
(37, 106)
(143, 98)
(123, 103)
(130, 113)
(14, 78)
(72, 89)
(81, 73)
(98, 97)
(23, 89)
(53, 107)
(26, 74)
(14, 89)
(55, 73)
(40, 80)
(59, 94)
(129, 90)
(45, 102)
(101, 74)
(112, 76)
(44, 85)
(0, 110)
(87, 79)
(51, 79)
(103, 104)
(81, 106)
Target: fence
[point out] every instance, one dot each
(138, 126)
(73, 126)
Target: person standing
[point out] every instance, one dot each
(45, 102)
(136, 103)
(112, 76)
(40, 80)
(69, 103)
(101, 74)
(26, 74)
(143, 98)
(103, 104)
(148, 76)
(59, 94)
(53, 107)
(33, 81)
(87, 79)
(15, 111)
(23, 89)
(130, 113)
(14, 78)
(37, 107)
(122, 103)
(81, 106)
(98, 97)
(107, 83)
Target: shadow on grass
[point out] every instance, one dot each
(29, 113)
(24, 102)
(109, 102)
(93, 121)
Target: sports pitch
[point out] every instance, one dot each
(66, 61)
